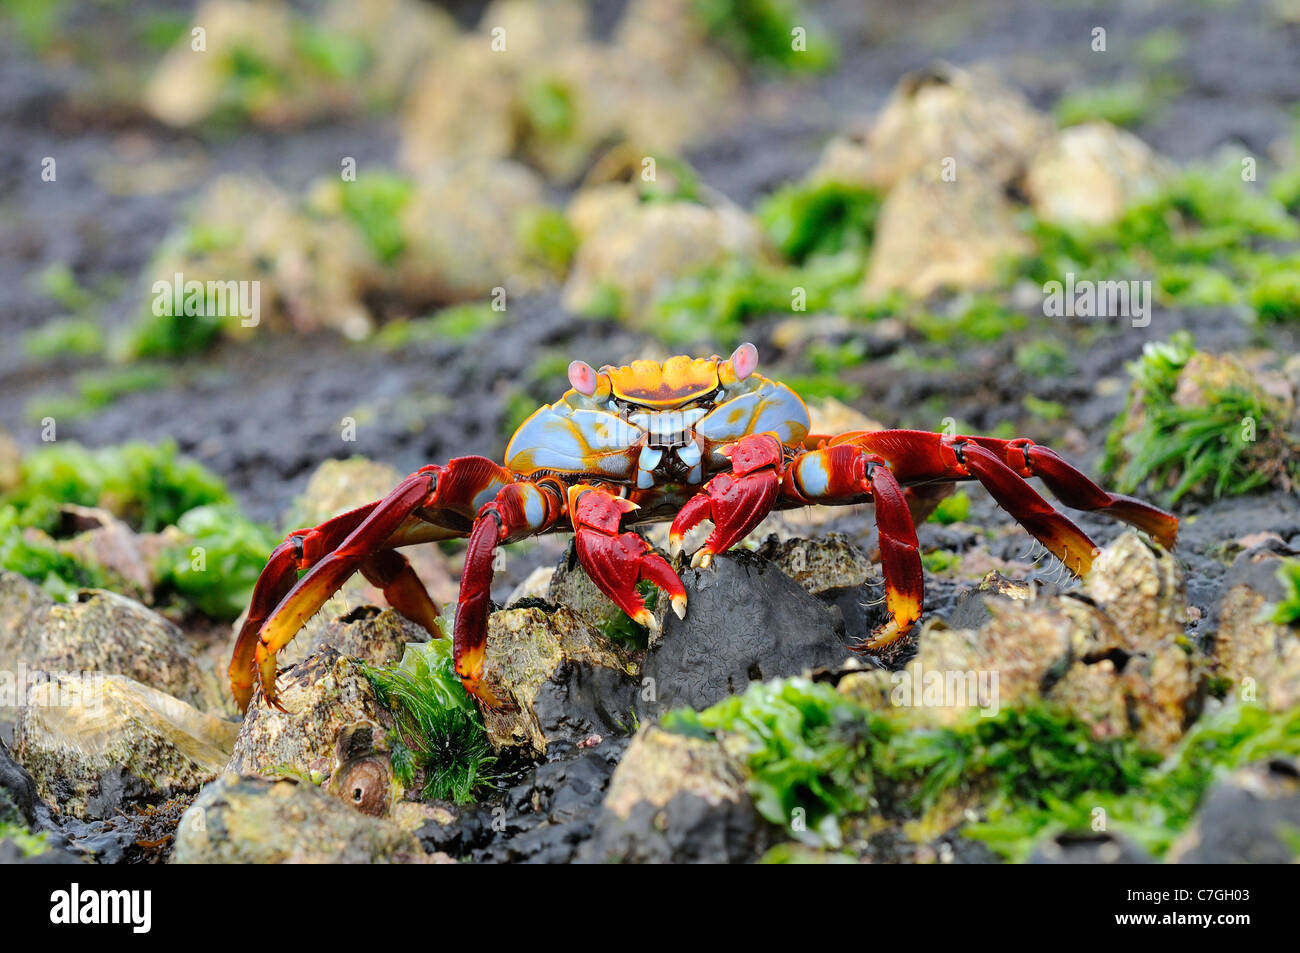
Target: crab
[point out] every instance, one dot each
(691, 439)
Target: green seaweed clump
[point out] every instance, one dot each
(439, 729)
(822, 219)
(1288, 610)
(763, 32)
(1221, 434)
(32, 554)
(147, 485)
(217, 564)
(374, 204)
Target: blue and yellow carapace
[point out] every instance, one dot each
(686, 440)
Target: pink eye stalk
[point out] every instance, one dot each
(583, 377)
(744, 360)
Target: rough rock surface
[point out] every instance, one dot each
(17, 790)
(333, 732)
(101, 632)
(96, 744)
(1261, 657)
(1249, 817)
(745, 620)
(1089, 849)
(1089, 174)
(253, 820)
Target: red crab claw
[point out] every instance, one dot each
(736, 502)
(616, 561)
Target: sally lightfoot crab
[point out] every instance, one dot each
(688, 440)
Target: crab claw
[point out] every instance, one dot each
(736, 502)
(616, 561)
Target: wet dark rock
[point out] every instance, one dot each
(745, 621)
(1246, 818)
(17, 790)
(1089, 849)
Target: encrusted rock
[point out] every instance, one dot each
(745, 620)
(17, 791)
(1246, 818)
(637, 250)
(830, 562)
(1116, 657)
(333, 732)
(934, 234)
(107, 633)
(96, 743)
(254, 820)
(986, 128)
(1089, 849)
(1261, 657)
(676, 799)
(1089, 174)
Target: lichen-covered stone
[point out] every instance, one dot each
(829, 562)
(658, 765)
(96, 743)
(1089, 174)
(1261, 657)
(255, 820)
(333, 732)
(107, 633)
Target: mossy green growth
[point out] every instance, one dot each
(1275, 290)
(95, 390)
(1288, 609)
(148, 485)
(27, 552)
(952, 509)
(809, 752)
(374, 204)
(457, 322)
(29, 844)
(1209, 446)
(803, 220)
(1199, 237)
(439, 729)
(64, 337)
(546, 238)
(622, 630)
(217, 564)
(1044, 358)
(1121, 104)
(767, 32)
(1031, 771)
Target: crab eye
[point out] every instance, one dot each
(583, 377)
(744, 360)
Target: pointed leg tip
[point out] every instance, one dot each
(675, 546)
(679, 606)
(646, 618)
(702, 559)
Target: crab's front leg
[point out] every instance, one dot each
(517, 511)
(735, 502)
(617, 561)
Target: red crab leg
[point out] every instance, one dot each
(432, 503)
(848, 474)
(918, 456)
(736, 502)
(616, 561)
(518, 510)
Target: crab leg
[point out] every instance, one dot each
(616, 561)
(518, 510)
(432, 503)
(846, 473)
(735, 502)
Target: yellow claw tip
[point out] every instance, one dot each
(679, 606)
(702, 559)
(646, 618)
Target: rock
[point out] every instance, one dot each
(1089, 174)
(312, 268)
(1114, 654)
(374, 636)
(1089, 849)
(95, 744)
(675, 799)
(819, 565)
(254, 820)
(635, 251)
(106, 633)
(1261, 657)
(986, 128)
(461, 234)
(17, 791)
(333, 733)
(1245, 819)
(934, 234)
(104, 541)
(19, 598)
(745, 620)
